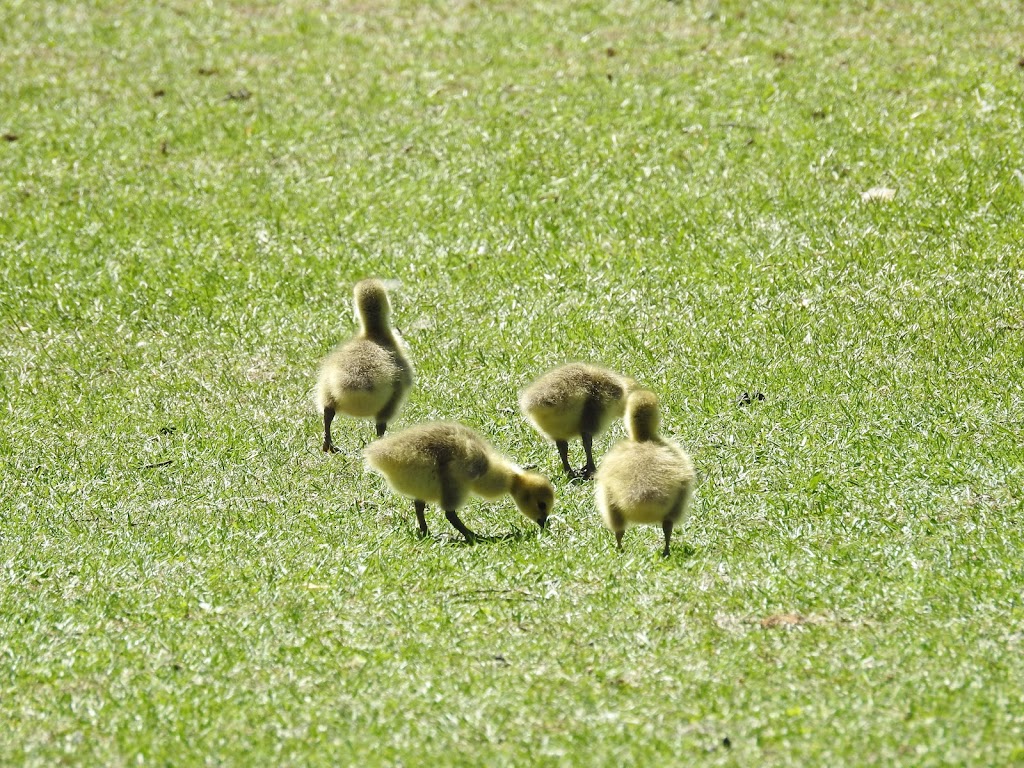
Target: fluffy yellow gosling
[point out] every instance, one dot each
(575, 400)
(442, 463)
(644, 479)
(369, 375)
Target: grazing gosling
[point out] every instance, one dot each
(368, 376)
(644, 479)
(444, 462)
(575, 400)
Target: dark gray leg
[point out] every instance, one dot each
(328, 418)
(563, 454)
(588, 449)
(589, 420)
(618, 524)
(453, 518)
(590, 415)
(420, 506)
(674, 514)
(451, 495)
(385, 414)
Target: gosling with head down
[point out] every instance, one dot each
(442, 463)
(575, 400)
(369, 375)
(644, 479)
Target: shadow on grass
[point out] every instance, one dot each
(458, 540)
(680, 553)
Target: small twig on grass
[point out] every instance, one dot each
(158, 464)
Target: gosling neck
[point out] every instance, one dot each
(642, 431)
(501, 478)
(376, 328)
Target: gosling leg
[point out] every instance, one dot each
(563, 454)
(420, 506)
(588, 449)
(387, 413)
(328, 418)
(667, 528)
(590, 418)
(618, 524)
(453, 518)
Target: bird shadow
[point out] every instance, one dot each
(681, 553)
(460, 541)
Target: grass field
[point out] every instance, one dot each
(188, 192)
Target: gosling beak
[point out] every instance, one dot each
(541, 522)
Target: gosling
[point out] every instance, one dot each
(369, 375)
(443, 463)
(644, 479)
(575, 400)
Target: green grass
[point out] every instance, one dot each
(673, 189)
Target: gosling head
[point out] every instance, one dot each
(534, 496)
(642, 415)
(372, 305)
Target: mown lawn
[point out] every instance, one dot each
(188, 192)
